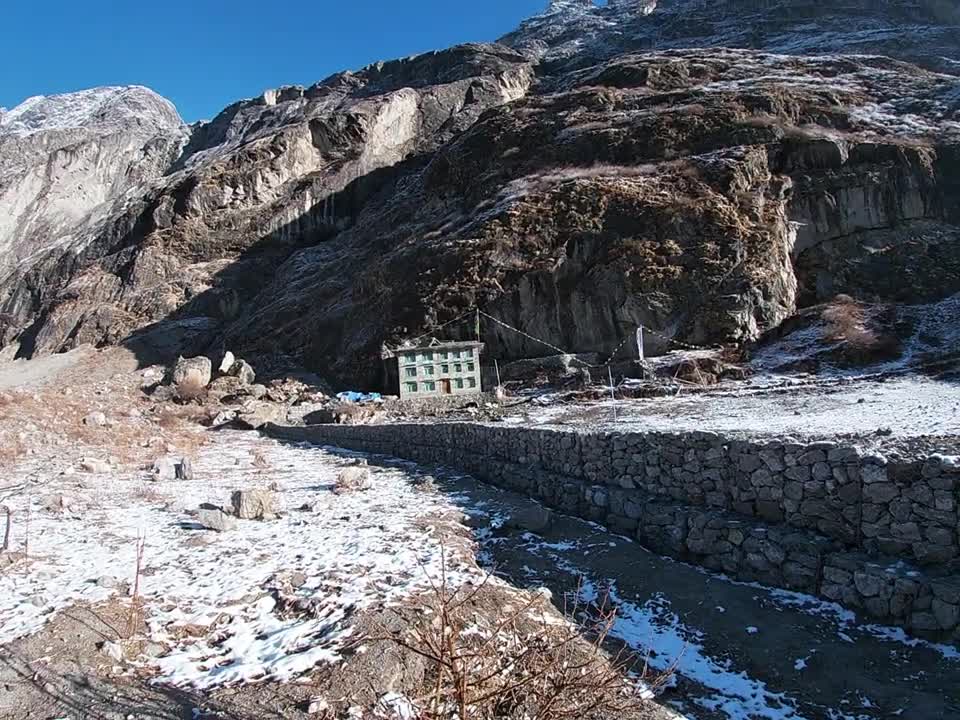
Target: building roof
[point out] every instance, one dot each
(437, 345)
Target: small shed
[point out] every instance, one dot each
(439, 369)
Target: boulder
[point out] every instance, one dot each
(531, 517)
(95, 466)
(216, 520)
(243, 371)
(172, 468)
(254, 505)
(195, 370)
(353, 479)
(255, 414)
(95, 419)
(227, 363)
(59, 503)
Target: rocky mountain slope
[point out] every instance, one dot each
(599, 168)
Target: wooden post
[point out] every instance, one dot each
(7, 529)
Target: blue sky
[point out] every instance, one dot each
(205, 54)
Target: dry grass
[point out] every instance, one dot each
(527, 664)
(848, 322)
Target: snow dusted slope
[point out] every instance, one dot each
(922, 31)
(105, 108)
(66, 160)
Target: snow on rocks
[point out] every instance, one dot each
(209, 603)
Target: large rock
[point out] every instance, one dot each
(255, 505)
(195, 371)
(172, 468)
(216, 520)
(353, 479)
(256, 413)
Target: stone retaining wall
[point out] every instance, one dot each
(877, 534)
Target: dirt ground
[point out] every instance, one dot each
(735, 651)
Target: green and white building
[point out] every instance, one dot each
(439, 369)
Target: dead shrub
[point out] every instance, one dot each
(528, 664)
(848, 322)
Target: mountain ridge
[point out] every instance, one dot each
(320, 222)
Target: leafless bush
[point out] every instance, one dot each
(846, 322)
(528, 665)
(136, 603)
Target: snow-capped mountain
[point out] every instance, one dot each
(105, 108)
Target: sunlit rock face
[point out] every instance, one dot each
(599, 168)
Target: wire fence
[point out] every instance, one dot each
(477, 314)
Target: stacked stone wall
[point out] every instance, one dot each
(875, 534)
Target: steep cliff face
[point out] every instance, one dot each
(570, 181)
(678, 190)
(260, 180)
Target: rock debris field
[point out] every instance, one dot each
(741, 651)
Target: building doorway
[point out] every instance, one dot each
(445, 387)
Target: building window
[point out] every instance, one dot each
(429, 370)
(411, 372)
(466, 354)
(472, 382)
(427, 357)
(445, 355)
(411, 387)
(458, 368)
(444, 369)
(458, 383)
(470, 367)
(429, 386)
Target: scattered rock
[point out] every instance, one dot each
(92, 465)
(216, 520)
(153, 650)
(531, 517)
(353, 479)
(227, 363)
(95, 419)
(254, 505)
(172, 468)
(197, 370)
(59, 503)
(255, 414)
(112, 650)
(243, 372)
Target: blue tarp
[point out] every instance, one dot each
(358, 397)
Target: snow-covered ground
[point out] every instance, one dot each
(206, 594)
(906, 406)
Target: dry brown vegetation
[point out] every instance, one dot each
(847, 321)
(45, 418)
(529, 663)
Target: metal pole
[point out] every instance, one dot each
(613, 396)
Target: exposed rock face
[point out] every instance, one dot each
(575, 180)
